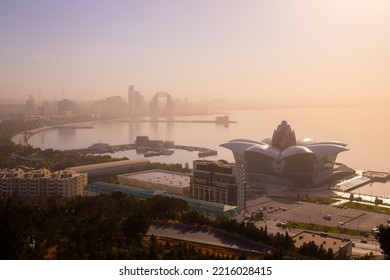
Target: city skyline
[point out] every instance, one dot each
(299, 52)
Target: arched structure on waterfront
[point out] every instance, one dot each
(162, 104)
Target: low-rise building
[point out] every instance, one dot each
(204, 207)
(112, 168)
(172, 182)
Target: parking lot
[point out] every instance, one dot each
(283, 209)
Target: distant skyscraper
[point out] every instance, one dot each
(66, 107)
(136, 101)
(139, 102)
(30, 104)
(131, 99)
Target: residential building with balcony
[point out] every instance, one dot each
(30, 182)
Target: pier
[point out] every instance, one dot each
(353, 183)
(222, 120)
(377, 175)
(148, 148)
(362, 178)
(182, 121)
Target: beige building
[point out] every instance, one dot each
(10, 180)
(219, 182)
(67, 183)
(27, 182)
(34, 183)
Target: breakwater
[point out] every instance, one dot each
(103, 148)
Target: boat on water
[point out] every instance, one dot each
(208, 153)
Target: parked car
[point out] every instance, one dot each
(328, 217)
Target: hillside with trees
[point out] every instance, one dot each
(107, 227)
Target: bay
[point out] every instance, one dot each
(364, 129)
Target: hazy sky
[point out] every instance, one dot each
(257, 50)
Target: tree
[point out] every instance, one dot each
(383, 237)
(161, 207)
(312, 250)
(135, 224)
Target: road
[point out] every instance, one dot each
(204, 236)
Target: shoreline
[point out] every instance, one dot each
(22, 137)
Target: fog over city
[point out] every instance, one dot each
(194, 130)
(298, 53)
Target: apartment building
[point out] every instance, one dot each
(35, 182)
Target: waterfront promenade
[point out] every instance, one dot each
(22, 137)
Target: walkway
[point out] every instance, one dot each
(353, 183)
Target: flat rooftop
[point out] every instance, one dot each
(169, 178)
(328, 242)
(194, 204)
(111, 164)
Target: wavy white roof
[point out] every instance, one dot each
(245, 141)
(323, 150)
(305, 141)
(266, 150)
(294, 150)
(338, 143)
(307, 146)
(267, 141)
(237, 147)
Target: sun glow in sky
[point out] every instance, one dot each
(253, 50)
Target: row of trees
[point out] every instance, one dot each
(80, 228)
(103, 227)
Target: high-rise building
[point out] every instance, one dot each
(136, 101)
(66, 107)
(131, 99)
(30, 104)
(139, 102)
(218, 181)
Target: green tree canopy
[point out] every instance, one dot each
(383, 237)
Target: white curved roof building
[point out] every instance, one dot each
(304, 162)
